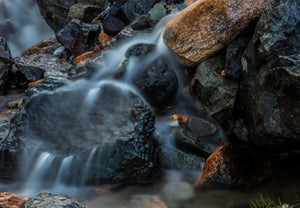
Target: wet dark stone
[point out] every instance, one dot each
(140, 49)
(267, 109)
(235, 165)
(55, 12)
(112, 25)
(118, 128)
(5, 65)
(84, 12)
(157, 82)
(78, 36)
(34, 67)
(135, 8)
(278, 29)
(234, 52)
(48, 200)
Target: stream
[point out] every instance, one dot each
(49, 166)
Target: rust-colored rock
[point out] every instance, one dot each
(235, 165)
(47, 46)
(207, 26)
(10, 200)
(36, 83)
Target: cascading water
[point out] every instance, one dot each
(59, 161)
(21, 24)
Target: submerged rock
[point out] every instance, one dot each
(10, 200)
(215, 93)
(48, 200)
(206, 27)
(267, 111)
(35, 67)
(116, 129)
(5, 65)
(78, 36)
(235, 165)
(145, 201)
(47, 46)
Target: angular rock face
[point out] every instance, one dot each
(47, 46)
(215, 93)
(5, 65)
(208, 26)
(116, 129)
(10, 200)
(34, 67)
(78, 36)
(235, 165)
(55, 12)
(268, 106)
(157, 82)
(51, 201)
(84, 12)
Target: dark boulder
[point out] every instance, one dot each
(267, 111)
(157, 82)
(33, 68)
(5, 65)
(84, 12)
(55, 12)
(234, 52)
(78, 36)
(116, 129)
(235, 165)
(51, 201)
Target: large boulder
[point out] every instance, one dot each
(51, 201)
(206, 27)
(107, 130)
(268, 106)
(5, 65)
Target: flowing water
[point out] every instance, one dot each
(49, 166)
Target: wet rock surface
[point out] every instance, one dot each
(268, 105)
(157, 82)
(235, 165)
(234, 52)
(215, 93)
(210, 26)
(122, 153)
(78, 36)
(10, 200)
(35, 67)
(156, 13)
(52, 201)
(5, 65)
(55, 12)
(47, 46)
(144, 201)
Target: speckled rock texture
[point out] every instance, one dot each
(208, 26)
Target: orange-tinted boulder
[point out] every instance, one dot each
(207, 26)
(235, 165)
(10, 200)
(47, 46)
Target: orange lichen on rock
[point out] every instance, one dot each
(104, 38)
(10, 200)
(80, 60)
(182, 120)
(223, 73)
(36, 83)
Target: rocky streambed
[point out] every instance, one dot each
(182, 99)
